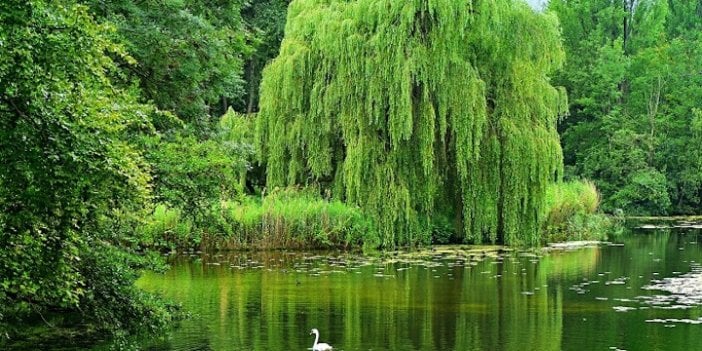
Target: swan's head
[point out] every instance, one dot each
(314, 331)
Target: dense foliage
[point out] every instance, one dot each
(633, 76)
(410, 108)
(290, 218)
(68, 168)
(285, 219)
(191, 174)
(189, 54)
(192, 177)
(265, 20)
(197, 58)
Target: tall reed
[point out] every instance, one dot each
(287, 218)
(571, 213)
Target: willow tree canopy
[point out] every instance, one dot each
(414, 109)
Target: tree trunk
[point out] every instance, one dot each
(251, 68)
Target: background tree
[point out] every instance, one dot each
(631, 78)
(265, 20)
(189, 54)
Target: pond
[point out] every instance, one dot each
(644, 292)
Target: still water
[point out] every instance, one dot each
(644, 292)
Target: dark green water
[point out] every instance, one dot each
(586, 299)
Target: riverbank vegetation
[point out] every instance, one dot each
(68, 170)
(132, 127)
(572, 213)
(287, 218)
(95, 121)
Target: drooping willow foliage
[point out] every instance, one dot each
(414, 109)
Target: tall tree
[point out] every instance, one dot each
(68, 169)
(414, 108)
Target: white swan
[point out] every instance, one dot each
(317, 346)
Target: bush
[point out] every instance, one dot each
(192, 179)
(645, 193)
(293, 218)
(167, 228)
(191, 174)
(564, 200)
(442, 230)
(571, 213)
(110, 301)
(236, 131)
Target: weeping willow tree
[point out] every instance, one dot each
(414, 109)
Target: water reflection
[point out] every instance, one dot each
(513, 302)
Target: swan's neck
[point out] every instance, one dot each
(316, 339)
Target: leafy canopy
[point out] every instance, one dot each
(189, 54)
(415, 107)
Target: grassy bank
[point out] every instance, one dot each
(571, 213)
(301, 219)
(287, 218)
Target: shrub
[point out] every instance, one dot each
(645, 193)
(111, 301)
(235, 131)
(571, 213)
(442, 230)
(168, 228)
(191, 174)
(564, 200)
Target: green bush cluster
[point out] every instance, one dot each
(191, 174)
(301, 218)
(571, 213)
(293, 218)
(116, 305)
(167, 228)
(565, 199)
